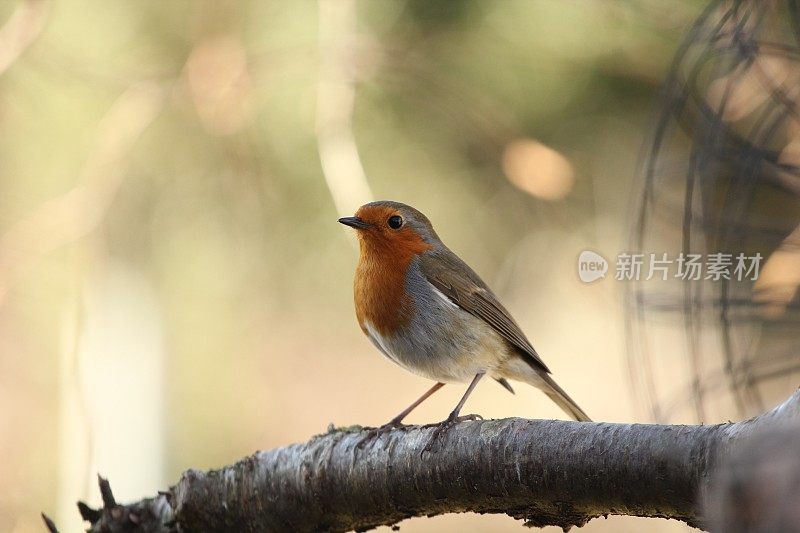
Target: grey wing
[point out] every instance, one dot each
(456, 280)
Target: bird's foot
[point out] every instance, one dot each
(378, 432)
(445, 425)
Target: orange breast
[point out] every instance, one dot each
(380, 282)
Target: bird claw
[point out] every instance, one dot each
(444, 426)
(378, 432)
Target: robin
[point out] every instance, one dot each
(430, 313)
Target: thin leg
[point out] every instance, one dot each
(454, 418)
(397, 421)
(399, 418)
(457, 410)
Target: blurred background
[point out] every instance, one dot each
(175, 291)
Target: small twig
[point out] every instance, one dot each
(89, 514)
(148, 515)
(51, 526)
(105, 492)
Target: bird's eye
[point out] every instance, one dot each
(395, 222)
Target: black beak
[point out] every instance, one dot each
(354, 222)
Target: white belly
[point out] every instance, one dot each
(469, 347)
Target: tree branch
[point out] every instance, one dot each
(545, 472)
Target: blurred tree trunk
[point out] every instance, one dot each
(545, 472)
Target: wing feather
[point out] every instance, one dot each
(456, 280)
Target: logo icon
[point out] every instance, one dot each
(591, 266)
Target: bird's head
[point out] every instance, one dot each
(387, 226)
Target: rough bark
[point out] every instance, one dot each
(545, 472)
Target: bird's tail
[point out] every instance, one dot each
(519, 369)
(562, 399)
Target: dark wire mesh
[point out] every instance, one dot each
(721, 175)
